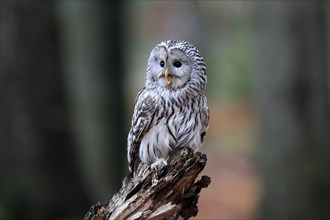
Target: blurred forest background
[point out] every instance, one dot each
(70, 71)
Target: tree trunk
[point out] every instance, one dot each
(39, 177)
(294, 101)
(94, 76)
(167, 192)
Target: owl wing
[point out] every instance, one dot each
(144, 112)
(205, 119)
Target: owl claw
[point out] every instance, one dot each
(158, 165)
(184, 153)
(188, 151)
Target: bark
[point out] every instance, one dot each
(164, 192)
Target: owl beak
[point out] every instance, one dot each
(168, 77)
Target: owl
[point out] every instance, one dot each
(171, 110)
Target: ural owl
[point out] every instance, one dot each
(171, 111)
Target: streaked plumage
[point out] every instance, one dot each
(171, 111)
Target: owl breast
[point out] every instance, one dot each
(176, 125)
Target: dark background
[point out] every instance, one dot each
(70, 71)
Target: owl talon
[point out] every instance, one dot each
(188, 151)
(158, 166)
(184, 153)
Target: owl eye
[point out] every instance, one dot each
(177, 64)
(162, 63)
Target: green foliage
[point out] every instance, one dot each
(231, 67)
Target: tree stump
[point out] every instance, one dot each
(168, 192)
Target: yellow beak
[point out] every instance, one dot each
(166, 76)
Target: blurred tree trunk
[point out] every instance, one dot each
(93, 38)
(294, 157)
(38, 167)
(42, 177)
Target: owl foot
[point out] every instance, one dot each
(184, 153)
(159, 167)
(188, 151)
(158, 164)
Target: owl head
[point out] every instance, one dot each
(176, 65)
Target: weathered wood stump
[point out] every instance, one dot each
(168, 192)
